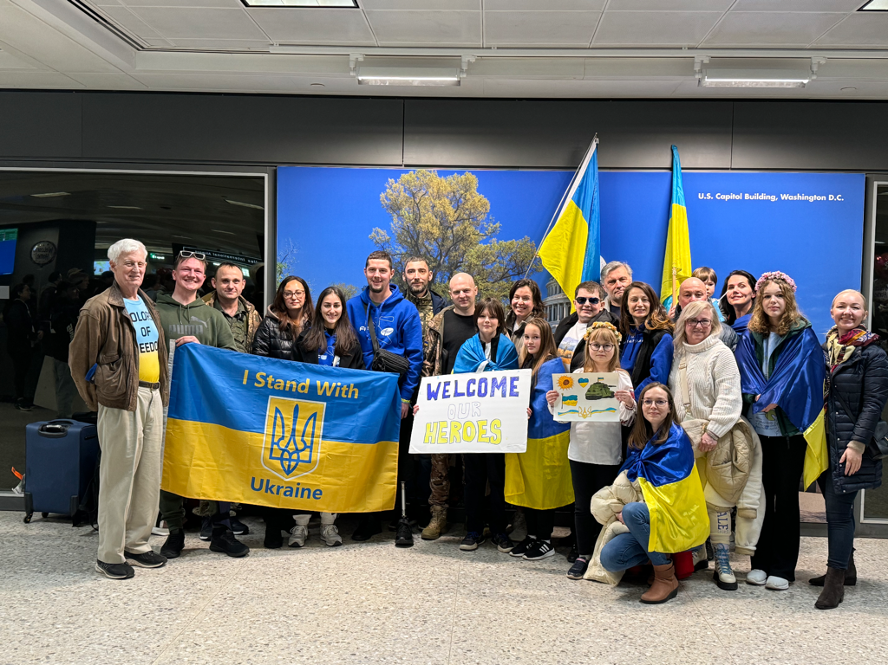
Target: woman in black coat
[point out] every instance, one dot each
(856, 398)
(289, 315)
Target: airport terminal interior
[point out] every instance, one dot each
(278, 135)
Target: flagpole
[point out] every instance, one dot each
(562, 201)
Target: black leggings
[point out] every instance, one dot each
(540, 522)
(588, 479)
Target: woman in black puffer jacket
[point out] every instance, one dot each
(857, 396)
(290, 313)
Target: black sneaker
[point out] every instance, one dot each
(572, 554)
(403, 536)
(27, 407)
(578, 569)
(223, 541)
(115, 571)
(273, 538)
(367, 527)
(238, 528)
(522, 547)
(174, 544)
(149, 560)
(206, 529)
(472, 541)
(540, 550)
(504, 543)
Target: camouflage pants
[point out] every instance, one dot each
(439, 482)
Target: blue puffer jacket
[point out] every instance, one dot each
(861, 382)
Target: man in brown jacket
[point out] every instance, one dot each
(118, 361)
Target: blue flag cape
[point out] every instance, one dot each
(672, 491)
(540, 478)
(472, 355)
(796, 385)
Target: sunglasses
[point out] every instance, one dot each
(582, 300)
(187, 254)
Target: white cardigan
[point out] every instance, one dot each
(714, 385)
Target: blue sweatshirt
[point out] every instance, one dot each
(398, 328)
(661, 358)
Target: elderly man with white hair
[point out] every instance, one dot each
(118, 361)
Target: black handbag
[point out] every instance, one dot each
(384, 360)
(876, 447)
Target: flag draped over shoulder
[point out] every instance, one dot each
(796, 385)
(674, 496)
(570, 252)
(471, 357)
(540, 478)
(677, 253)
(277, 433)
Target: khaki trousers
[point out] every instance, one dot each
(129, 475)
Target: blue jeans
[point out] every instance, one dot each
(840, 511)
(631, 549)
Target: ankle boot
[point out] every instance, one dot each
(832, 594)
(850, 579)
(664, 587)
(437, 525)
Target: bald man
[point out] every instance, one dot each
(447, 332)
(694, 289)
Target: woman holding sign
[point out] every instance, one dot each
(647, 352)
(487, 351)
(540, 479)
(594, 451)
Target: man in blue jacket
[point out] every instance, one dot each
(398, 329)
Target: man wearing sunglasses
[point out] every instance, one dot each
(694, 289)
(589, 301)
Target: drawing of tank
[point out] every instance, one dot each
(598, 391)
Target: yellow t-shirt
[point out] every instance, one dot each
(146, 339)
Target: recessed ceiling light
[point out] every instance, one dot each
(220, 231)
(848, 89)
(245, 205)
(126, 207)
(49, 195)
(875, 6)
(316, 85)
(300, 3)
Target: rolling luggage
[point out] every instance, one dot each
(61, 458)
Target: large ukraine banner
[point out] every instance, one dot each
(277, 433)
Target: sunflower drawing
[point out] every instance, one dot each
(565, 382)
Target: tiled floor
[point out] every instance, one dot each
(373, 603)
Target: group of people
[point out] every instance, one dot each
(687, 376)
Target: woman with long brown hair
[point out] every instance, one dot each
(332, 341)
(289, 314)
(647, 351)
(525, 301)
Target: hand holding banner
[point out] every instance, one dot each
(483, 412)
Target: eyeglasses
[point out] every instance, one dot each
(188, 254)
(649, 403)
(294, 294)
(582, 300)
(698, 323)
(598, 347)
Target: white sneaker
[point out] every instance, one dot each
(331, 536)
(777, 583)
(756, 577)
(298, 534)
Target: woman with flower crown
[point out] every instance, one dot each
(594, 450)
(782, 383)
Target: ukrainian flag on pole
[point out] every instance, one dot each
(677, 254)
(570, 252)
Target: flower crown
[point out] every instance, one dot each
(602, 324)
(776, 275)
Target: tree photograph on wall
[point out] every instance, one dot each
(448, 221)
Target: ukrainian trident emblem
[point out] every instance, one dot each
(292, 444)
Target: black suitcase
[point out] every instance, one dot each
(61, 460)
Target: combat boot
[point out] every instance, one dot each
(437, 524)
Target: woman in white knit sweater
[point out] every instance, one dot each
(707, 385)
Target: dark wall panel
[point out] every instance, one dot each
(810, 135)
(507, 133)
(242, 128)
(40, 124)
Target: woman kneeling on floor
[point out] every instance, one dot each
(672, 514)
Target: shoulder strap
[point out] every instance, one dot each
(683, 383)
(373, 332)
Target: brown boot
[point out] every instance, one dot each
(832, 594)
(665, 585)
(850, 579)
(437, 525)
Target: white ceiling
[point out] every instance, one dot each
(522, 48)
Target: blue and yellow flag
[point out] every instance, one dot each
(540, 478)
(277, 433)
(570, 252)
(796, 385)
(674, 496)
(677, 253)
